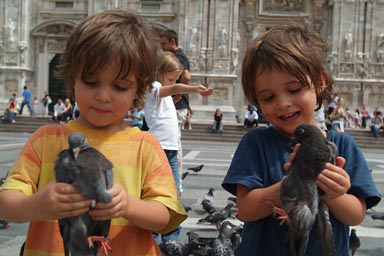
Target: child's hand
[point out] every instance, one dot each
(59, 200)
(334, 180)
(291, 156)
(117, 208)
(204, 91)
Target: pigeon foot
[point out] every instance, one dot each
(104, 243)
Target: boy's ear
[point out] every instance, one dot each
(323, 82)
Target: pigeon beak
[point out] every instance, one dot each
(76, 152)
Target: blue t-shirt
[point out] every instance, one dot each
(27, 96)
(136, 121)
(258, 162)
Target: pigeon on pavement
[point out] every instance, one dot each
(354, 242)
(377, 215)
(3, 223)
(299, 193)
(90, 172)
(184, 175)
(196, 169)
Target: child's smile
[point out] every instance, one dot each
(285, 102)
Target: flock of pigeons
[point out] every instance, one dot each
(229, 233)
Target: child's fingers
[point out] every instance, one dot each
(291, 156)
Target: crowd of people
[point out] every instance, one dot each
(338, 118)
(106, 79)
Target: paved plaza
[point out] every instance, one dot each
(216, 157)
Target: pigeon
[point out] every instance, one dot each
(90, 172)
(3, 223)
(231, 231)
(171, 248)
(377, 215)
(2, 180)
(217, 216)
(208, 206)
(300, 196)
(196, 169)
(184, 175)
(354, 242)
(209, 196)
(232, 199)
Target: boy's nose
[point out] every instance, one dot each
(283, 103)
(103, 95)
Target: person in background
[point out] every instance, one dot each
(333, 103)
(46, 100)
(14, 97)
(67, 113)
(137, 115)
(76, 111)
(376, 124)
(356, 118)
(58, 109)
(169, 41)
(364, 116)
(320, 118)
(10, 112)
(161, 118)
(109, 60)
(339, 116)
(251, 118)
(26, 101)
(187, 119)
(284, 74)
(217, 121)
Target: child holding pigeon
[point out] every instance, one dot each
(284, 74)
(109, 61)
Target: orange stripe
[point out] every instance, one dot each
(44, 239)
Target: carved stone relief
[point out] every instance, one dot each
(222, 41)
(346, 68)
(333, 62)
(284, 6)
(10, 28)
(56, 45)
(11, 86)
(377, 70)
(363, 65)
(235, 58)
(10, 58)
(193, 40)
(221, 94)
(58, 29)
(348, 41)
(380, 46)
(23, 46)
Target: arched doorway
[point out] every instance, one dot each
(50, 38)
(56, 86)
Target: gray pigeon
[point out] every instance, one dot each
(300, 196)
(196, 169)
(354, 242)
(377, 215)
(90, 172)
(3, 223)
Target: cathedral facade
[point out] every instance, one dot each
(214, 35)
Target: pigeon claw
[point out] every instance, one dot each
(104, 243)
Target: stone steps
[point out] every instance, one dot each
(201, 130)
